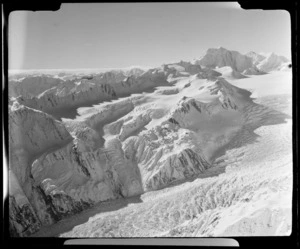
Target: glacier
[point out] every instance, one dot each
(77, 140)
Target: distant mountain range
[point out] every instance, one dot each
(250, 63)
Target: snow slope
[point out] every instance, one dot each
(269, 84)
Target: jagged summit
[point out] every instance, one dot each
(256, 58)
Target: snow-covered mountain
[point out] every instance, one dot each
(51, 94)
(269, 62)
(134, 131)
(256, 58)
(272, 63)
(221, 57)
(31, 86)
(249, 64)
(92, 89)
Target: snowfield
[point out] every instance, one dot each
(183, 150)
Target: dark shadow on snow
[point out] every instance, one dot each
(67, 224)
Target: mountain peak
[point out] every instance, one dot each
(217, 49)
(222, 48)
(272, 55)
(272, 62)
(252, 53)
(221, 57)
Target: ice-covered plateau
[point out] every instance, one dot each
(149, 129)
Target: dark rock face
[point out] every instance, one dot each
(173, 121)
(87, 77)
(77, 157)
(199, 162)
(39, 210)
(228, 104)
(22, 219)
(185, 107)
(196, 106)
(60, 205)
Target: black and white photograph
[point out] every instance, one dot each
(150, 120)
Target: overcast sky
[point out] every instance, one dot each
(116, 35)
